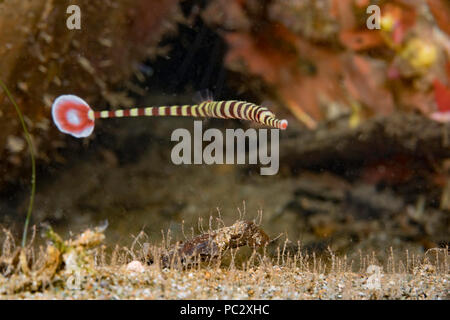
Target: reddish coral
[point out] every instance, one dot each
(442, 96)
(318, 54)
(441, 11)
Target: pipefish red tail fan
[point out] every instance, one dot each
(72, 115)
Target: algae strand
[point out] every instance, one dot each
(33, 164)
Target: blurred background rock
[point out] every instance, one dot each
(41, 59)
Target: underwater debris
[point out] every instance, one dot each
(288, 275)
(211, 245)
(135, 266)
(61, 260)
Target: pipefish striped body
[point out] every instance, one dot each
(72, 115)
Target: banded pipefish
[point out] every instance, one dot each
(73, 115)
